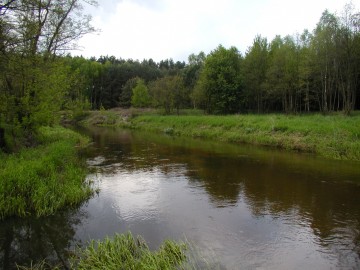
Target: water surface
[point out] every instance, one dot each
(243, 207)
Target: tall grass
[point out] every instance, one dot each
(127, 252)
(331, 136)
(46, 178)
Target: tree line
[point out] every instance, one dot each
(314, 71)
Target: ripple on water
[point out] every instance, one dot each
(96, 161)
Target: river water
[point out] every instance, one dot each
(238, 206)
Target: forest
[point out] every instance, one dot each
(315, 71)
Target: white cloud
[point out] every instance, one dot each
(163, 29)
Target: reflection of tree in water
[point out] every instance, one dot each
(269, 186)
(31, 240)
(221, 178)
(329, 208)
(266, 185)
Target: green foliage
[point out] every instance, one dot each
(169, 93)
(127, 252)
(314, 71)
(44, 179)
(255, 67)
(282, 74)
(220, 81)
(85, 75)
(140, 95)
(33, 81)
(192, 70)
(40, 88)
(77, 110)
(126, 92)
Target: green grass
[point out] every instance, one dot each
(127, 252)
(46, 178)
(124, 251)
(332, 136)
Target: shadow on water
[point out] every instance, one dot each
(30, 240)
(253, 207)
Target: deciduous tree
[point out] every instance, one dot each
(220, 81)
(140, 95)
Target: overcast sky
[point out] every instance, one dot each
(161, 29)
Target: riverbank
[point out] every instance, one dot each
(332, 136)
(46, 178)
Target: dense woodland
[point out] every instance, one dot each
(316, 71)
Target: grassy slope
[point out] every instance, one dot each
(43, 179)
(333, 136)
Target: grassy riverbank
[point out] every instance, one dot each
(45, 178)
(332, 136)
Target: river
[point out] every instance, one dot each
(237, 206)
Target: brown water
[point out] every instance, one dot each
(241, 207)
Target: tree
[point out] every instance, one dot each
(220, 81)
(140, 95)
(34, 80)
(325, 64)
(348, 49)
(169, 93)
(305, 70)
(255, 68)
(126, 92)
(336, 49)
(282, 77)
(181, 94)
(191, 74)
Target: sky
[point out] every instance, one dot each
(163, 29)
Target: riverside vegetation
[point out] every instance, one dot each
(127, 252)
(332, 136)
(46, 178)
